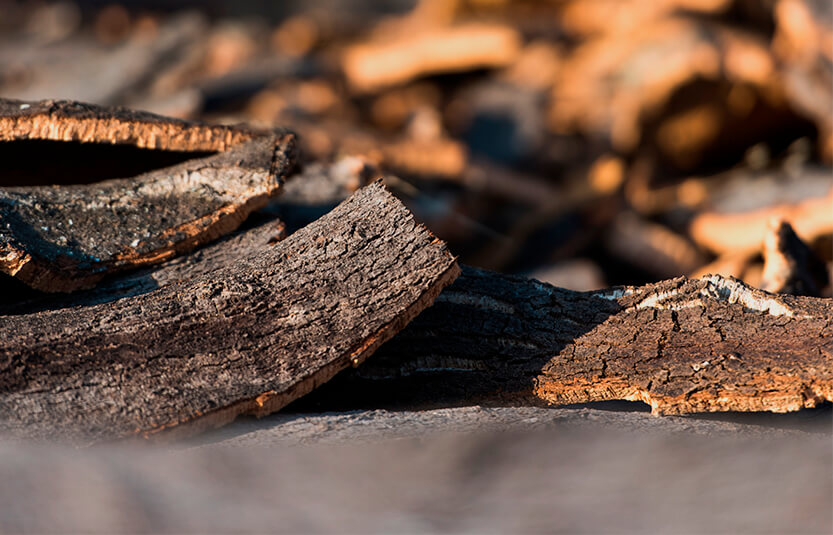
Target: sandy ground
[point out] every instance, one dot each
(462, 470)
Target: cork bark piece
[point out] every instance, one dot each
(790, 266)
(681, 346)
(64, 120)
(247, 338)
(396, 59)
(321, 187)
(64, 238)
(262, 231)
(745, 231)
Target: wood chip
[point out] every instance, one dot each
(67, 238)
(245, 339)
(659, 60)
(804, 43)
(617, 16)
(681, 346)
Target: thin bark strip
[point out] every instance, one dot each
(64, 120)
(410, 54)
(66, 238)
(247, 338)
(681, 346)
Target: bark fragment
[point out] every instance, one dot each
(65, 120)
(225, 252)
(652, 247)
(399, 58)
(66, 238)
(790, 266)
(744, 231)
(247, 338)
(680, 345)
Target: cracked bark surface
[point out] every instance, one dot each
(246, 338)
(66, 238)
(681, 346)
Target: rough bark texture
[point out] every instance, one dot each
(248, 338)
(681, 345)
(66, 238)
(305, 197)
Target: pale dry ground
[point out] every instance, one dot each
(462, 470)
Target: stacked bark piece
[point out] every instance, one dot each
(250, 323)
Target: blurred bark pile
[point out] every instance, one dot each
(585, 143)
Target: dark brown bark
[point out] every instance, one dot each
(263, 230)
(67, 238)
(655, 249)
(681, 345)
(304, 198)
(246, 338)
(324, 184)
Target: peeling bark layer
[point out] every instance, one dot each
(246, 338)
(66, 238)
(681, 345)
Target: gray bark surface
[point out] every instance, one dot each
(245, 338)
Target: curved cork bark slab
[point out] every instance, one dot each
(64, 120)
(681, 346)
(244, 339)
(66, 238)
